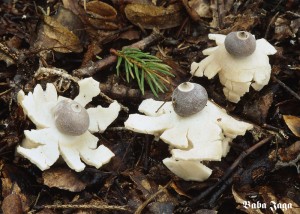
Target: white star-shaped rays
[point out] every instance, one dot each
(236, 74)
(204, 136)
(44, 145)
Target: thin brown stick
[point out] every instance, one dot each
(5, 92)
(161, 106)
(181, 27)
(293, 14)
(143, 205)
(108, 61)
(9, 52)
(228, 5)
(269, 25)
(124, 108)
(286, 88)
(6, 75)
(64, 74)
(220, 11)
(97, 66)
(230, 170)
(194, 16)
(222, 188)
(85, 207)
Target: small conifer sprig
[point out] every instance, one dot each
(143, 67)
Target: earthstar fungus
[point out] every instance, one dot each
(64, 127)
(202, 136)
(240, 61)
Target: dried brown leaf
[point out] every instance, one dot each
(286, 154)
(92, 50)
(98, 15)
(293, 123)
(246, 21)
(150, 16)
(63, 178)
(287, 157)
(293, 150)
(257, 109)
(178, 190)
(267, 194)
(161, 207)
(197, 9)
(267, 198)
(282, 29)
(9, 61)
(71, 21)
(101, 15)
(241, 199)
(295, 25)
(289, 107)
(12, 204)
(6, 53)
(201, 7)
(75, 8)
(9, 188)
(142, 183)
(65, 40)
(130, 35)
(290, 153)
(11, 178)
(53, 35)
(101, 10)
(294, 206)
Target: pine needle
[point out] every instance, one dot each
(143, 67)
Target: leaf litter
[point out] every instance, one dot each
(136, 180)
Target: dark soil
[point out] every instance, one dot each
(136, 181)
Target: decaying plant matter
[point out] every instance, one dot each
(47, 48)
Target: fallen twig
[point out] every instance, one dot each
(43, 72)
(194, 16)
(275, 129)
(104, 63)
(222, 188)
(5, 92)
(181, 27)
(124, 108)
(269, 25)
(286, 88)
(215, 14)
(120, 91)
(9, 52)
(143, 205)
(293, 14)
(85, 207)
(46, 72)
(221, 13)
(228, 5)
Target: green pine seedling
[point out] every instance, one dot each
(143, 67)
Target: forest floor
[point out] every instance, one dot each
(78, 39)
